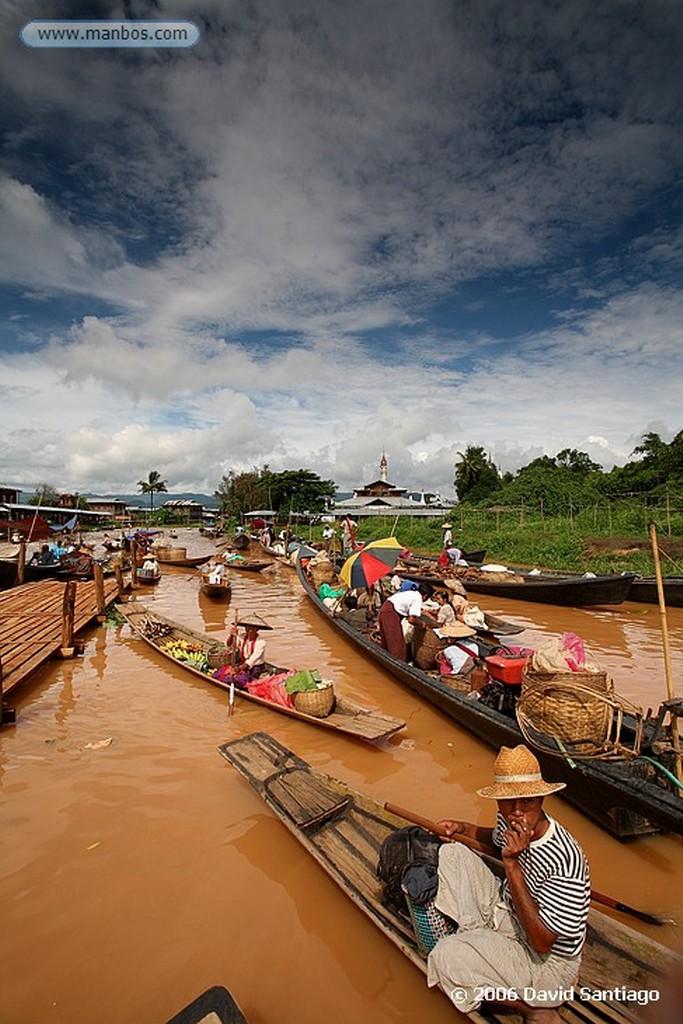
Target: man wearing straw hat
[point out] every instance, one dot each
(519, 938)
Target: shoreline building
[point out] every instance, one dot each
(382, 498)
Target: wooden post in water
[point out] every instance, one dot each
(21, 562)
(68, 613)
(675, 739)
(134, 563)
(118, 574)
(98, 578)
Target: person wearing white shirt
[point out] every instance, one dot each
(397, 616)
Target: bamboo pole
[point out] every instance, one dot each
(675, 739)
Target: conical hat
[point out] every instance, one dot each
(517, 774)
(456, 629)
(253, 620)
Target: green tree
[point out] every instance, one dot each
(45, 495)
(238, 493)
(475, 474)
(578, 462)
(152, 485)
(297, 490)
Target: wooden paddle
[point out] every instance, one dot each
(492, 851)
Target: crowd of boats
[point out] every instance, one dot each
(622, 767)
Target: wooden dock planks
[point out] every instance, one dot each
(31, 624)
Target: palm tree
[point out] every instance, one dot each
(152, 485)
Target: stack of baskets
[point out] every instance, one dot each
(318, 702)
(568, 706)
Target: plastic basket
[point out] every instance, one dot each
(318, 702)
(429, 924)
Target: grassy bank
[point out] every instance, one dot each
(558, 543)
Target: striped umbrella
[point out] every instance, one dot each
(376, 559)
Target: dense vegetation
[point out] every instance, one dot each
(293, 490)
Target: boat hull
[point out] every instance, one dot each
(610, 793)
(645, 590)
(347, 717)
(343, 831)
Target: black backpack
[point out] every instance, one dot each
(401, 849)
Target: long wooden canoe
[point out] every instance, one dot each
(246, 564)
(627, 798)
(644, 588)
(343, 831)
(186, 562)
(570, 591)
(215, 1006)
(347, 716)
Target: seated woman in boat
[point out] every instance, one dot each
(445, 613)
(522, 934)
(249, 648)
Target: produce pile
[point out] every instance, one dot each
(189, 653)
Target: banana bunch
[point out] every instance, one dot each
(186, 651)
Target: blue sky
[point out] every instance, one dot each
(331, 229)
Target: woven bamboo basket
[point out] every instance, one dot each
(568, 706)
(219, 656)
(318, 702)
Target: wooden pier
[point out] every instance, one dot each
(39, 620)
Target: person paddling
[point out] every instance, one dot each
(250, 649)
(519, 937)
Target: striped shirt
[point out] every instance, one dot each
(555, 870)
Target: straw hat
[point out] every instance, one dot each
(517, 773)
(255, 621)
(447, 526)
(456, 630)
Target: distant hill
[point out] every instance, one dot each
(207, 500)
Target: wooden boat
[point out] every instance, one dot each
(149, 576)
(183, 562)
(215, 588)
(624, 797)
(246, 564)
(343, 831)
(645, 589)
(347, 717)
(215, 1006)
(545, 588)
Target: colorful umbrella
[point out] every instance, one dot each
(376, 559)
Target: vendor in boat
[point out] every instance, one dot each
(523, 933)
(249, 648)
(397, 617)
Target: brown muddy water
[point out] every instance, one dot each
(136, 875)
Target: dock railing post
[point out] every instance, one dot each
(21, 561)
(98, 577)
(68, 614)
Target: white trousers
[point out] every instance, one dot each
(489, 950)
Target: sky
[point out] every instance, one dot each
(331, 229)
